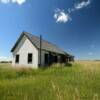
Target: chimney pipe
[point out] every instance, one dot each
(40, 48)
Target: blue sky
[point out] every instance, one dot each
(73, 25)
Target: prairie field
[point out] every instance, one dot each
(81, 81)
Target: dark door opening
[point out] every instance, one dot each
(46, 59)
(55, 59)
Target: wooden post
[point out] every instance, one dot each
(40, 48)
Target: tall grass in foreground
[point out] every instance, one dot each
(76, 95)
(81, 81)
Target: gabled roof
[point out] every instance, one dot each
(36, 42)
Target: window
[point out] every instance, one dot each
(29, 58)
(17, 59)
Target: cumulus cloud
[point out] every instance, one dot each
(61, 16)
(82, 4)
(19, 2)
(78, 6)
(70, 10)
(5, 1)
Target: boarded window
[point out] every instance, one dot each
(29, 58)
(17, 59)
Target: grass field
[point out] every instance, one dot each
(81, 81)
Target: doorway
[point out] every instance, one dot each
(46, 59)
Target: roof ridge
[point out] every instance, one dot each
(46, 45)
(43, 40)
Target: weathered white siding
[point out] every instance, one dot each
(23, 48)
(43, 52)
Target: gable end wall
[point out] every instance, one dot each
(23, 48)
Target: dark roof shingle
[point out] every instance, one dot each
(45, 44)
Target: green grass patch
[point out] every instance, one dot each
(81, 81)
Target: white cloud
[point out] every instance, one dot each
(82, 4)
(61, 16)
(5, 1)
(70, 10)
(19, 2)
(90, 53)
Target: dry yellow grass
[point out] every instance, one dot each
(90, 65)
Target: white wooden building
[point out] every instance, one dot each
(31, 51)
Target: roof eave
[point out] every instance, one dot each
(19, 39)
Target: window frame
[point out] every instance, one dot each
(30, 58)
(17, 57)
